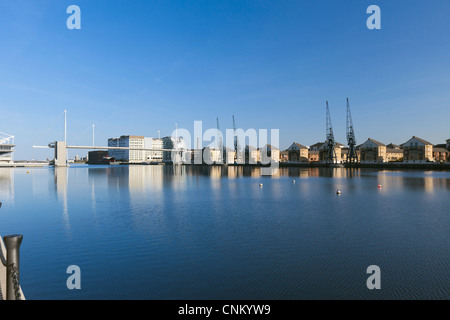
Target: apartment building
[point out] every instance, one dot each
(417, 150)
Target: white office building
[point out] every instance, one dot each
(179, 151)
(135, 143)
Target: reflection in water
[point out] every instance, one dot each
(6, 185)
(164, 232)
(141, 178)
(61, 184)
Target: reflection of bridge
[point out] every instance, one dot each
(61, 150)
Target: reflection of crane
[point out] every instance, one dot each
(351, 139)
(219, 136)
(236, 143)
(331, 143)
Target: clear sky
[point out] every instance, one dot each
(137, 67)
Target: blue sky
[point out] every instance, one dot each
(137, 67)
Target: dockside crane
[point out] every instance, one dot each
(236, 143)
(352, 157)
(220, 142)
(331, 143)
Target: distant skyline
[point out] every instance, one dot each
(136, 67)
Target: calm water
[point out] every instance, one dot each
(155, 232)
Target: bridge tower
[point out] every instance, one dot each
(60, 154)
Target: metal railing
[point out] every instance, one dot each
(12, 264)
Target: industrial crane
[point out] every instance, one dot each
(331, 143)
(352, 157)
(220, 142)
(236, 144)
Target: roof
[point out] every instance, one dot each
(298, 145)
(318, 144)
(390, 150)
(337, 145)
(419, 139)
(393, 146)
(440, 150)
(376, 142)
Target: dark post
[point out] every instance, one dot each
(12, 244)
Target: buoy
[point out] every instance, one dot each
(379, 186)
(338, 192)
(293, 181)
(260, 184)
(28, 171)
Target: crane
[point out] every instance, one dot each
(331, 143)
(220, 144)
(236, 143)
(352, 157)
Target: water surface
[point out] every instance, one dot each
(163, 232)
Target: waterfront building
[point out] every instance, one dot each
(392, 146)
(251, 155)
(297, 153)
(153, 156)
(441, 154)
(178, 149)
(372, 151)
(323, 152)
(228, 155)
(313, 152)
(269, 153)
(344, 153)
(98, 157)
(284, 156)
(448, 144)
(6, 148)
(193, 154)
(136, 142)
(394, 152)
(313, 156)
(316, 146)
(417, 150)
(212, 155)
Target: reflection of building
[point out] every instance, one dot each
(6, 184)
(136, 142)
(297, 153)
(6, 147)
(372, 151)
(417, 150)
